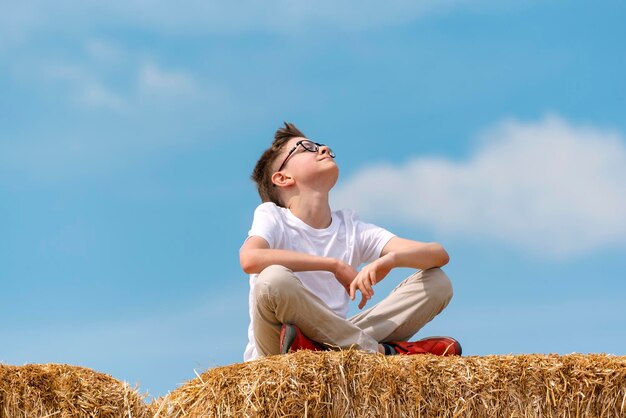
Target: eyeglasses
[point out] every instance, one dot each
(308, 146)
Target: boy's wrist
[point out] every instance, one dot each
(333, 265)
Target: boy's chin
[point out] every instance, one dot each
(333, 176)
(332, 168)
(327, 177)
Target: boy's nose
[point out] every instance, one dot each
(324, 149)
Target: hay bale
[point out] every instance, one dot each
(355, 384)
(60, 391)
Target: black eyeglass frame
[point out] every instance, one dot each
(315, 148)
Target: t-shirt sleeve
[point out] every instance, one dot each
(265, 224)
(371, 240)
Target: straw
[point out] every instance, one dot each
(356, 384)
(60, 391)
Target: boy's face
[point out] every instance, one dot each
(306, 165)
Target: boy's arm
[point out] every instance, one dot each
(415, 254)
(398, 252)
(255, 255)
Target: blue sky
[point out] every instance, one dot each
(128, 134)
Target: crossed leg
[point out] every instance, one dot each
(280, 298)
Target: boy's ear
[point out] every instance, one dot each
(281, 179)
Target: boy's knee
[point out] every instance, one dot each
(272, 271)
(440, 285)
(273, 279)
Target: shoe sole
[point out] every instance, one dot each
(287, 335)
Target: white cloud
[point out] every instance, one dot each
(85, 87)
(88, 87)
(281, 16)
(133, 90)
(153, 79)
(549, 187)
(17, 21)
(96, 95)
(104, 51)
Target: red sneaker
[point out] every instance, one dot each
(439, 346)
(292, 339)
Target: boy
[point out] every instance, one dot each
(302, 260)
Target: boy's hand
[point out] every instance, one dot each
(345, 274)
(369, 276)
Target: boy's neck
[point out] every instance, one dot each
(312, 209)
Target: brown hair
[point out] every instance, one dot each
(262, 173)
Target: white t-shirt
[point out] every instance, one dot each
(347, 239)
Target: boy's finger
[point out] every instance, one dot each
(363, 302)
(370, 286)
(372, 278)
(363, 289)
(368, 290)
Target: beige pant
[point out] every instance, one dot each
(280, 298)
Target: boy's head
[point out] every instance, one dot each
(262, 174)
(270, 162)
